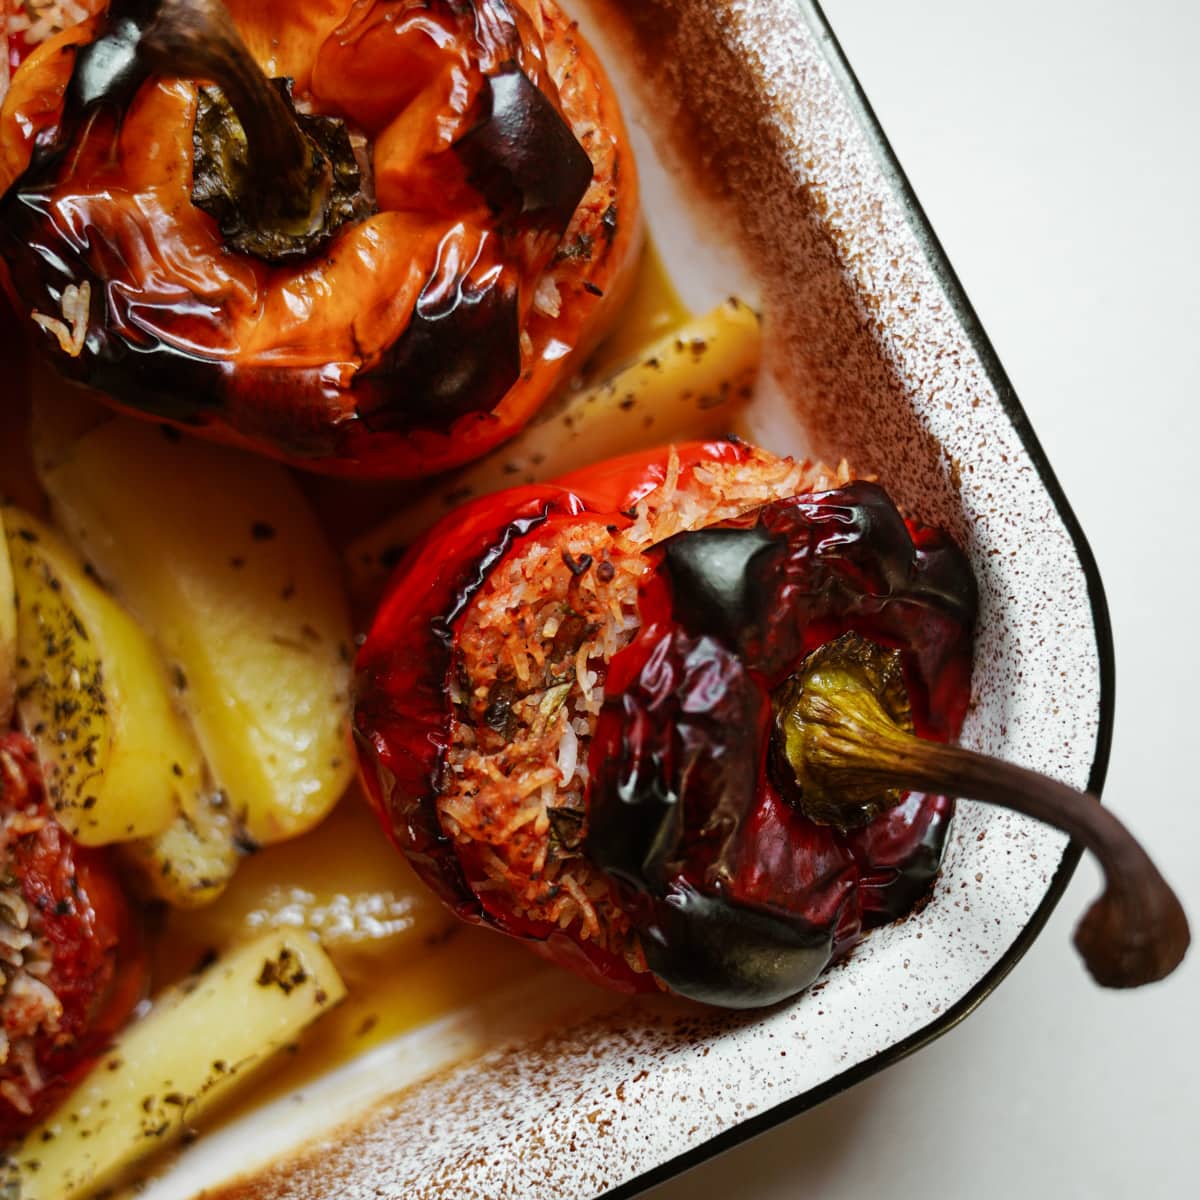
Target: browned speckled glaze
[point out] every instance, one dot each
(866, 337)
(831, 292)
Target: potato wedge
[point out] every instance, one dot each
(345, 885)
(190, 863)
(174, 1065)
(118, 759)
(8, 633)
(689, 384)
(222, 560)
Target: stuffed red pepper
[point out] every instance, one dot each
(676, 721)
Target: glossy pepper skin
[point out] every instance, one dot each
(63, 908)
(491, 234)
(735, 897)
(738, 898)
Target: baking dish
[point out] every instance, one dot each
(767, 175)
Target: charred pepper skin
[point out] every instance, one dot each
(491, 239)
(685, 810)
(737, 898)
(77, 914)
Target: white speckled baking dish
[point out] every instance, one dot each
(748, 122)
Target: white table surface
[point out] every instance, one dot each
(1055, 146)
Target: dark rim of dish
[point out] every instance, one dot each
(894, 177)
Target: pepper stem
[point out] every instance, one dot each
(850, 760)
(288, 186)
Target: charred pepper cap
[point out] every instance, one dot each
(685, 810)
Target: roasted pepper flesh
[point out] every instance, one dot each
(501, 216)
